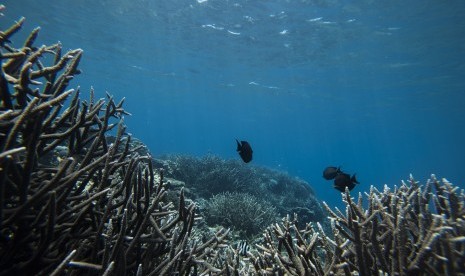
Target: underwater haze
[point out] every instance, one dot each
(374, 86)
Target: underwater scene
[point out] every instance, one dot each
(232, 137)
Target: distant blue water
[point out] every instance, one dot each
(377, 87)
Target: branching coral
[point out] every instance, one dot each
(240, 211)
(96, 208)
(210, 175)
(410, 231)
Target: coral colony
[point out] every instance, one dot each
(70, 201)
(75, 201)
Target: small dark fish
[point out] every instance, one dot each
(331, 172)
(245, 151)
(343, 180)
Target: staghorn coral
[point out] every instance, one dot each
(409, 231)
(70, 201)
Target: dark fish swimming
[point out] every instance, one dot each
(343, 180)
(331, 172)
(245, 151)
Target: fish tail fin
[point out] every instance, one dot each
(353, 179)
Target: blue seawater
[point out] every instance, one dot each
(377, 87)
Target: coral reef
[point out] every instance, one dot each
(409, 231)
(70, 201)
(75, 201)
(210, 175)
(227, 191)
